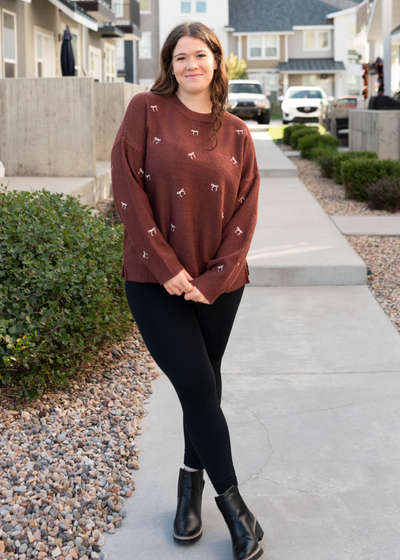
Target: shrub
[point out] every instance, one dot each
(345, 156)
(308, 143)
(384, 194)
(325, 157)
(357, 173)
(297, 134)
(61, 294)
(287, 131)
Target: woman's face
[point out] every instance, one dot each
(193, 64)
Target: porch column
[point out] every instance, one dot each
(387, 46)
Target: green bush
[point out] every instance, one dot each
(61, 294)
(325, 155)
(345, 156)
(357, 173)
(384, 194)
(297, 134)
(287, 131)
(308, 143)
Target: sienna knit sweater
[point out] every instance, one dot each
(183, 206)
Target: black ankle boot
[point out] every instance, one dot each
(188, 527)
(243, 526)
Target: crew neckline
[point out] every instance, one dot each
(205, 117)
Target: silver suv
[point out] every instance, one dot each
(247, 100)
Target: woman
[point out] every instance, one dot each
(185, 183)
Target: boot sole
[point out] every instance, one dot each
(188, 540)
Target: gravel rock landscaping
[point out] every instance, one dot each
(381, 254)
(66, 460)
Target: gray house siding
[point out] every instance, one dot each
(148, 67)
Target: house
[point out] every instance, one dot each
(159, 17)
(31, 35)
(378, 35)
(297, 43)
(149, 44)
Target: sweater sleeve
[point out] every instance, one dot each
(224, 268)
(131, 201)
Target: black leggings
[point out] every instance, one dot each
(187, 340)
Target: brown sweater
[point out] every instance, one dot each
(183, 206)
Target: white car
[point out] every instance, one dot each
(247, 100)
(303, 104)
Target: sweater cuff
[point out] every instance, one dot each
(207, 286)
(168, 269)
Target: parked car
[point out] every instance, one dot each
(247, 100)
(303, 104)
(335, 116)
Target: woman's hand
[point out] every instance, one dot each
(197, 296)
(180, 284)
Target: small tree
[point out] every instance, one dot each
(237, 70)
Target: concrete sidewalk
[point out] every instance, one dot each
(311, 393)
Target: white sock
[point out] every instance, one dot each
(190, 468)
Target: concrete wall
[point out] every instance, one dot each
(47, 127)
(111, 101)
(375, 131)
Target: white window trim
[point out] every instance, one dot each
(328, 48)
(191, 7)
(94, 50)
(263, 47)
(110, 47)
(148, 33)
(42, 31)
(146, 11)
(8, 60)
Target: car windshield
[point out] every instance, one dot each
(245, 88)
(306, 94)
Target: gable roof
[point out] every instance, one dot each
(278, 15)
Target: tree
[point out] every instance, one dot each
(237, 70)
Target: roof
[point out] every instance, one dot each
(311, 65)
(275, 15)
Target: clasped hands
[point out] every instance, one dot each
(181, 283)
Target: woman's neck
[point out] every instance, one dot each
(199, 102)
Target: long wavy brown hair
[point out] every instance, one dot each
(166, 83)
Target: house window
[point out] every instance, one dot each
(309, 80)
(255, 44)
(323, 40)
(200, 6)
(118, 8)
(352, 54)
(110, 67)
(39, 55)
(270, 46)
(145, 45)
(145, 7)
(186, 7)
(353, 84)
(262, 46)
(10, 44)
(316, 40)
